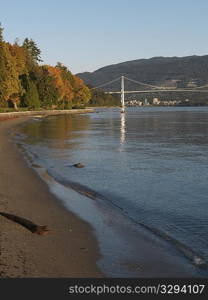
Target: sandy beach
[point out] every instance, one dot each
(70, 250)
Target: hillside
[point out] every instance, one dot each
(168, 71)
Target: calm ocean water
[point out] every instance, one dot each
(146, 169)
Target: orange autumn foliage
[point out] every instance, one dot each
(64, 88)
(70, 87)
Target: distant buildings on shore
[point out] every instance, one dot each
(155, 102)
(169, 84)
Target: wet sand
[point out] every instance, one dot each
(70, 250)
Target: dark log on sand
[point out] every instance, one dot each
(32, 227)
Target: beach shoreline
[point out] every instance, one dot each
(70, 250)
(42, 113)
(108, 244)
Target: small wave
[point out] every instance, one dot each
(76, 186)
(197, 259)
(80, 188)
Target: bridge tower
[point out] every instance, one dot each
(122, 95)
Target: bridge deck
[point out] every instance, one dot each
(158, 91)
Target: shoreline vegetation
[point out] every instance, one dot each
(24, 194)
(26, 84)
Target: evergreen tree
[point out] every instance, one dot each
(3, 70)
(33, 50)
(1, 33)
(48, 92)
(99, 98)
(31, 97)
(10, 87)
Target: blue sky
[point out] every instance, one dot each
(88, 34)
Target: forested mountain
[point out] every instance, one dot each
(157, 70)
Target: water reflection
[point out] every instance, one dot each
(56, 132)
(122, 130)
(159, 177)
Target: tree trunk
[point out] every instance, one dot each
(15, 105)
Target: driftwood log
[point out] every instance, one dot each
(32, 227)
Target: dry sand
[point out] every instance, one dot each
(69, 251)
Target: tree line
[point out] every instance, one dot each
(26, 83)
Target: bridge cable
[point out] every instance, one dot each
(109, 82)
(141, 83)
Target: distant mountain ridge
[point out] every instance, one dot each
(157, 70)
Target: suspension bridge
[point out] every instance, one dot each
(148, 88)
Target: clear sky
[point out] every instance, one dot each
(88, 34)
